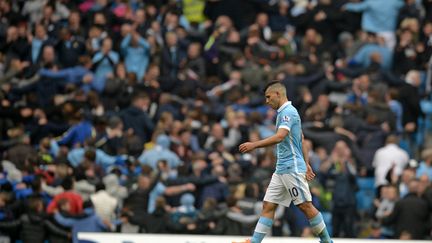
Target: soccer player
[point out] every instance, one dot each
(289, 181)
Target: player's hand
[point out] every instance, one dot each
(246, 147)
(310, 175)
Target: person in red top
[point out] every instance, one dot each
(74, 199)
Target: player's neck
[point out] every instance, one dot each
(282, 102)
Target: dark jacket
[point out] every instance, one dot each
(411, 214)
(159, 222)
(45, 88)
(35, 228)
(139, 121)
(19, 153)
(171, 60)
(138, 199)
(344, 185)
(69, 52)
(227, 226)
(410, 100)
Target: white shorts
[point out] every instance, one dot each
(286, 188)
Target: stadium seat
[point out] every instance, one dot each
(365, 194)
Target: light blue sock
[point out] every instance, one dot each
(263, 226)
(319, 228)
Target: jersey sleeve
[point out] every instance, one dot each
(159, 189)
(286, 121)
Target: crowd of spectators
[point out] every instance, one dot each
(126, 115)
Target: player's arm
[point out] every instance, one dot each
(272, 140)
(309, 172)
(305, 150)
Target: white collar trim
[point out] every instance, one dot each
(283, 106)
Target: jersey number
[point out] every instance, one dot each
(293, 192)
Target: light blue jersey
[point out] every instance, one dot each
(289, 151)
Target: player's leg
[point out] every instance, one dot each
(275, 194)
(265, 222)
(298, 189)
(316, 221)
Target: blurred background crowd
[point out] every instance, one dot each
(126, 115)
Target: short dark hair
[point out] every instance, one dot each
(90, 154)
(33, 203)
(271, 83)
(100, 186)
(114, 121)
(140, 95)
(67, 183)
(88, 204)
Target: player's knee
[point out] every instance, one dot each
(307, 208)
(269, 207)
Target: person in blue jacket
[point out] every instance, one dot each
(88, 222)
(136, 52)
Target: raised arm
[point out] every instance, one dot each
(67, 136)
(356, 7)
(175, 190)
(125, 43)
(98, 58)
(143, 42)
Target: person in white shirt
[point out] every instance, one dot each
(104, 204)
(391, 156)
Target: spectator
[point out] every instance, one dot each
(218, 190)
(114, 189)
(104, 204)
(425, 167)
(410, 214)
(407, 175)
(138, 200)
(373, 53)
(105, 60)
(195, 63)
(217, 133)
(173, 58)
(39, 40)
(172, 190)
(235, 222)
(160, 152)
(135, 50)
(341, 178)
(89, 222)
(136, 119)
(390, 157)
(34, 224)
(69, 49)
(73, 199)
(160, 219)
(389, 197)
(78, 133)
(186, 213)
(376, 232)
(111, 140)
(376, 15)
